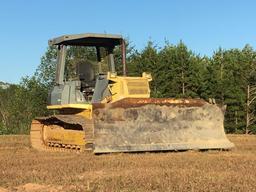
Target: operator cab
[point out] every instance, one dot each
(83, 62)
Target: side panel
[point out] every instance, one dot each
(68, 93)
(129, 87)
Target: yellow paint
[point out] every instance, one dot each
(129, 87)
(59, 135)
(74, 106)
(86, 109)
(85, 113)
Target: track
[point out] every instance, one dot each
(38, 142)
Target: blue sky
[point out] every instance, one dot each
(204, 26)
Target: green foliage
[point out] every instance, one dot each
(45, 72)
(176, 71)
(146, 61)
(229, 74)
(20, 104)
(118, 58)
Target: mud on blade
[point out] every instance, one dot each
(158, 125)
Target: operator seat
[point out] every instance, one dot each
(86, 75)
(85, 71)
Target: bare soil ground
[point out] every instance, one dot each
(24, 169)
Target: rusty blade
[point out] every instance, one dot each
(158, 125)
(137, 102)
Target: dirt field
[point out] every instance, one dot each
(24, 169)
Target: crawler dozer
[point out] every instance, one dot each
(101, 111)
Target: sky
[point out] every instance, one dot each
(203, 25)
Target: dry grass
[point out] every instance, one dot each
(24, 169)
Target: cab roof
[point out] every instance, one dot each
(88, 39)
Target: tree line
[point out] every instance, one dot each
(228, 77)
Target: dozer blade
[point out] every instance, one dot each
(133, 125)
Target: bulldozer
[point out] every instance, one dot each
(101, 111)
